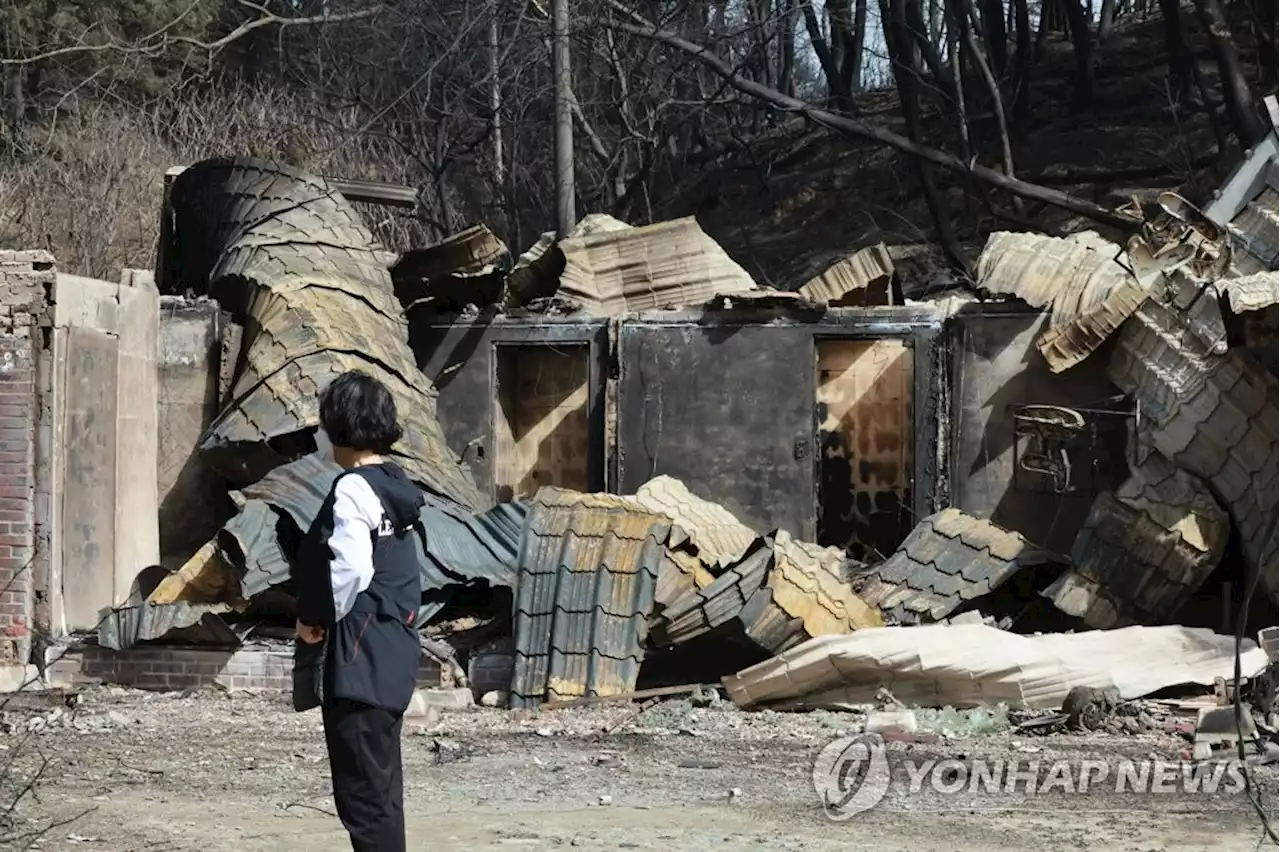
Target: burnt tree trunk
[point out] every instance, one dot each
(1180, 57)
(1236, 92)
(1082, 45)
(906, 73)
(787, 47)
(839, 98)
(1024, 58)
(1048, 11)
(1264, 14)
(1106, 21)
(927, 51)
(566, 198)
(858, 47)
(996, 36)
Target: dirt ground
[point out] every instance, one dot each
(211, 771)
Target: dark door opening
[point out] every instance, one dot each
(865, 438)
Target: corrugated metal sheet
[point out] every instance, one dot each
(664, 265)
(948, 559)
(720, 603)
(783, 593)
(251, 542)
(465, 268)
(205, 578)
(1251, 292)
(860, 280)
(141, 621)
(251, 553)
(1257, 229)
(284, 249)
(716, 536)
(1248, 205)
(972, 664)
(808, 583)
(587, 573)
(681, 574)
(1080, 278)
(463, 548)
(1212, 413)
(1143, 551)
(536, 274)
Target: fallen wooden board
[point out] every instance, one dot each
(638, 695)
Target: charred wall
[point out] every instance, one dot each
(996, 368)
(726, 402)
(729, 403)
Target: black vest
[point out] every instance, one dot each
(372, 654)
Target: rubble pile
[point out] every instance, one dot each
(602, 585)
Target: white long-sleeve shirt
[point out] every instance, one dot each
(357, 512)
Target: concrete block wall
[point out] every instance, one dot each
(26, 282)
(176, 668)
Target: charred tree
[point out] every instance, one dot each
(839, 95)
(997, 36)
(1236, 92)
(787, 47)
(1264, 14)
(1082, 46)
(859, 45)
(855, 129)
(1181, 61)
(906, 72)
(1106, 21)
(1023, 61)
(927, 51)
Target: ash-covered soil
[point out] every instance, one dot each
(126, 770)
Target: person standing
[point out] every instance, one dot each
(359, 589)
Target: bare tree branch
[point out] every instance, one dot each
(861, 130)
(157, 42)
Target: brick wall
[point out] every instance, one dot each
(172, 668)
(26, 282)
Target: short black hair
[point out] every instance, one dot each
(357, 411)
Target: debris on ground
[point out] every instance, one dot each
(611, 593)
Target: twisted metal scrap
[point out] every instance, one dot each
(289, 256)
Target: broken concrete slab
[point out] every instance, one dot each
(440, 699)
(890, 720)
(969, 665)
(1219, 730)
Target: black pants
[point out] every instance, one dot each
(368, 778)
